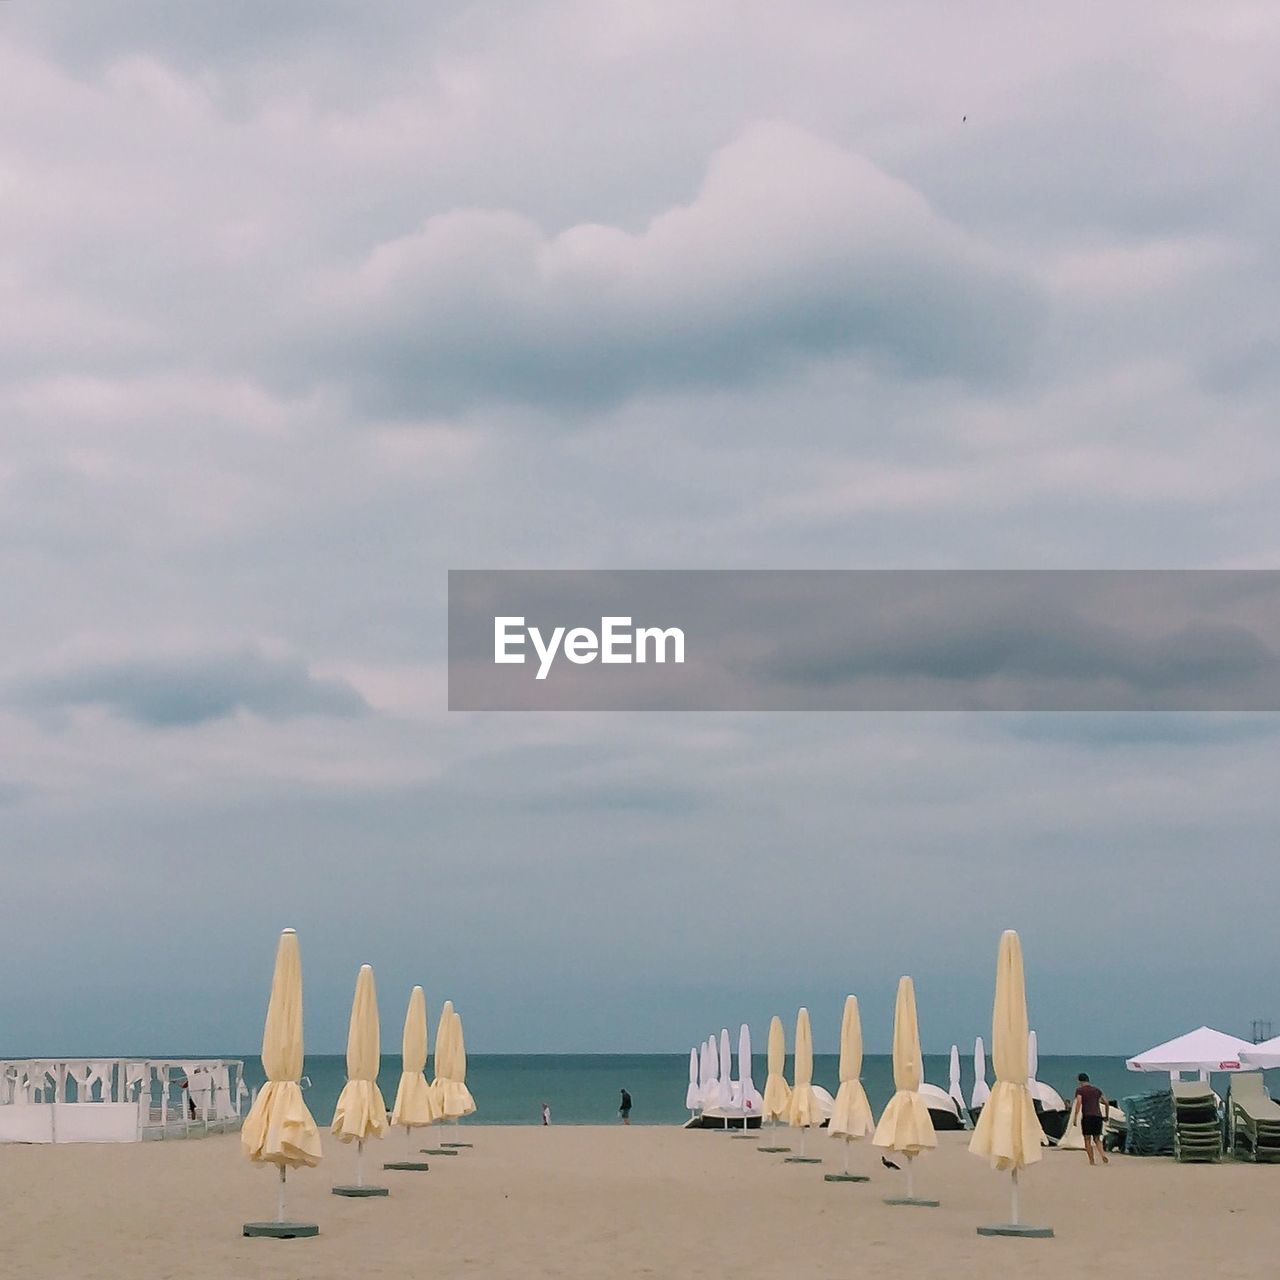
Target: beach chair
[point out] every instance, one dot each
(1197, 1125)
(1255, 1119)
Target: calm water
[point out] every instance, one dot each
(583, 1088)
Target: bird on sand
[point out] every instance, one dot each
(888, 1164)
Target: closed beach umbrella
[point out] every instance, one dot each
(713, 1058)
(361, 1113)
(851, 1116)
(954, 1087)
(415, 1107)
(451, 1068)
(279, 1129)
(1033, 1062)
(777, 1093)
(704, 1074)
(1008, 1133)
(746, 1085)
(905, 1125)
(691, 1095)
(978, 1098)
(726, 1074)
(804, 1109)
(444, 1029)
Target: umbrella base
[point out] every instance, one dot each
(773, 1150)
(1017, 1229)
(438, 1151)
(458, 1145)
(361, 1193)
(914, 1201)
(845, 1177)
(744, 1137)
(418, 1166)
(281, 1230)
(803, 1160)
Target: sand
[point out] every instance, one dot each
(610, 1202)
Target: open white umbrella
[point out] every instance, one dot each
(691, 1095)
(978, 1098)
(1008, 1133)
(1262, 1057)
(1203, 1050)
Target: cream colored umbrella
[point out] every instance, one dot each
(803, 1109)
(361, 1113)
(777, 1093)
(1008, 1133)
(851, 1117)
(444, 1029)
(905, 1126)
(451, 1071)
(414, 1106)
(279, 1129)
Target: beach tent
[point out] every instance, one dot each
(904, 1125)
(279, 1129)
(1202, 1050)
(1264, 1056)
(1008, 1134)
(361, 1112)
(851, 1117)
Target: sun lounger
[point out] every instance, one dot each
(1197, 1125)
(1255, 1119)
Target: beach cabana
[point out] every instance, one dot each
(1008, 1134)
(361, 1113)
(279, 1129)
(1203, 1051)
(905, 1126)
(851, 1118)
(414, 1106)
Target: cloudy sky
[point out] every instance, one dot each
(302, 305)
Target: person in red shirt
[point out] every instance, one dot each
(1092, 1110)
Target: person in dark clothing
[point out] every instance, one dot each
(1092, 1111)
(625, 1109)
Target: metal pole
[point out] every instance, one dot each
(846, 1156)
(1014, 1218)
(360, 1163)
(280, 1196)
(911, 1182)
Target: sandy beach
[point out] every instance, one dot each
(587, 1202)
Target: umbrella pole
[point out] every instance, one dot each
(911, 1182)
(408, 1139)
(846, 1156)
(803, 1134)
(1014, 1215)
(360, 1163)
(280, 1196)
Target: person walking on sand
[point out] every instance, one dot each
(625, 1109)
(546, 1113)
(1091, 1103)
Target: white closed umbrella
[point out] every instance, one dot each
(704, 1074)
(981, 1091)
(691, 1095)
(746, 1085)
(726, 1078)
(954, 1088)
(712, 1094)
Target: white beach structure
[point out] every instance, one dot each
(981, 1090)
(1203, 1051)
(1262, 1057)
(119, 1099)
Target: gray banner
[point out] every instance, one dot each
(861, 640)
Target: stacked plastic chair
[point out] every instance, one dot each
(1197, 1125)
(1255, 1119)
(1148, 1124)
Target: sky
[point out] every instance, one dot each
(303, 305)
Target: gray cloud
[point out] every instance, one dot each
(189, 690)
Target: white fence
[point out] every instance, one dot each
(119, 1099)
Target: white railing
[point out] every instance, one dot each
(118, 1099)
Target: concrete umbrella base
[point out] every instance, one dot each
(438, 1151)
(281, 1230)
(361, 1192)
(418, 1166)
(1017, 1229)
(773, 1150)
(913, 1201)
(845, 1177)
(803, 1160)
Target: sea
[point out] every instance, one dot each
(585, 1088)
